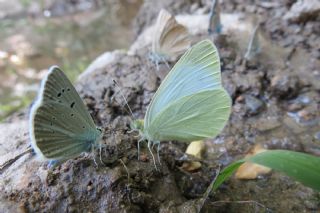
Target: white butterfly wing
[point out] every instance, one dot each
(197, 70)
(194, 117)
(193, 80)
(170, 39)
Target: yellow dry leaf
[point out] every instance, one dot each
(191, 166)
(249, 170)
(196, 149)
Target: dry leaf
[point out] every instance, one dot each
(249, 170)
(191, 166)
(196, 149)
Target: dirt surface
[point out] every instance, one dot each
(276, 103)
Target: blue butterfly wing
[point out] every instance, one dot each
(60, 125)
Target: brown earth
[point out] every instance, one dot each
(276, 103)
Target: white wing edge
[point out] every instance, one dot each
(33, 112)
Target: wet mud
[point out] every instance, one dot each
(276, 103)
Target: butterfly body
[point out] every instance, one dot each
(60, 125)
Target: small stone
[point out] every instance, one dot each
(285, 86)
(294, 107)
(253, 105)
(303, 10)
(305, 115)
(240, 99)
(268, 123)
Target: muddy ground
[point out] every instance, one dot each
(276, 103)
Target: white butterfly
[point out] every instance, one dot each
(171, 39)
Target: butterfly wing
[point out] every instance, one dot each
(194, 117)
(197, 70)
(254, 44)
(171, 39)
(214, 19)
(60, 125)
(196, 75)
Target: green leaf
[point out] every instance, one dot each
(226, 173)
(300, 166)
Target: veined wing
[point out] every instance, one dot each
(170, 39)
(197, 70)
(194, 117)
(60, 125)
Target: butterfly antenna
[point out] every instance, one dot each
(125, 100)
(8, 163)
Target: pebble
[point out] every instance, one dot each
(267, 123)
(306, 117)
(253, 105)
(303, 10)
(298, 103)
(285, 86)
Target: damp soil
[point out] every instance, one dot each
(276, 103)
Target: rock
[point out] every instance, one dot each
(12, 140)
(251, 81)
(285, 86)
(308, 116)
(99, 63)
(301, 101)
(11, 9)
(253, 105)
(303, 10)
(267, 123)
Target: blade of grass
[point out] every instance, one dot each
(226, 173)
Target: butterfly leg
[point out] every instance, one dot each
(150, 150)
(94, 159)
(158, 151)
(157, 64)
(165, 61)
(54, 163)
(139, 141)
(100, 154)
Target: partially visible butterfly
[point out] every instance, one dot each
(254, 44)
(170, 38)
(191, 103)
(60, 125)
(215, 25)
